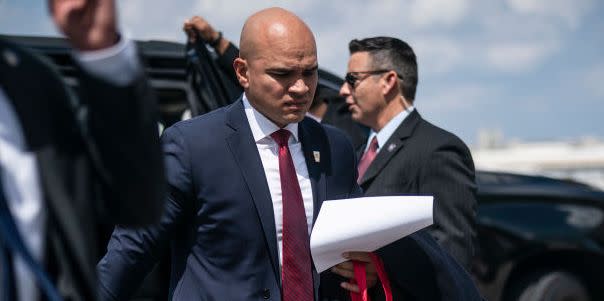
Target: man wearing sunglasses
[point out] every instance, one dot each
(404, 153)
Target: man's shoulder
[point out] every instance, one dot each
(202, 129)
(32, 64)
(332, 134)
(437, 135)
(22, 52)
(207, 122)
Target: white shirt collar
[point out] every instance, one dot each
(261, 126)
(386, 132)
(316, 118)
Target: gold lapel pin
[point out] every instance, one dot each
(317, 156)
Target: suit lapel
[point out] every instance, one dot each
(315, 155)
(244, 150)
(393, 145)
(359, 151)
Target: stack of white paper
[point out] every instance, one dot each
(365, 224)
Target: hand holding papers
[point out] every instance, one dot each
(365, 224)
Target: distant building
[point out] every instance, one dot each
(581, 160)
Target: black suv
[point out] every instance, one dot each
(538, 238)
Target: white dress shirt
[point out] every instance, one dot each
(384, 134)
(19, 169)
(268, 149)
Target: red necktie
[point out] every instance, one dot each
(367, 158)
(296, 273)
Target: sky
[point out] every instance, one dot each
(530, 70)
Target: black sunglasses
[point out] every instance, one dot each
(352, 78)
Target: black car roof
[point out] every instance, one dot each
(510, 184)
(161, 59)
(164, 59)
(169, 49)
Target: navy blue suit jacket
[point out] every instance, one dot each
(219, 221)
(220, 227)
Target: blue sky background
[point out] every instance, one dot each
(531, 69)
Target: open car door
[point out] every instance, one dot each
(209, 78)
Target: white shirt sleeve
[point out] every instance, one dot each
(118, 64)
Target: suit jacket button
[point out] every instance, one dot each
(266, 293)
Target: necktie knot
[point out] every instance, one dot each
(281, 136)
(373, 146)
(367, 158)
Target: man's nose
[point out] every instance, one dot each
(345, 90)
(299, 87)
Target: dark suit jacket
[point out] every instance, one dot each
(98, 156)
(219, 220)
(422, 159)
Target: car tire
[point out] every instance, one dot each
(548, 286)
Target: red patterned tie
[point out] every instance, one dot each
(296, 273)
(367, 158)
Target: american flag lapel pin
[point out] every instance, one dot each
(317, 156)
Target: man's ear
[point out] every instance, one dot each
(389, 83)
(241, 70)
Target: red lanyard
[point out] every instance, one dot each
(360, 277)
